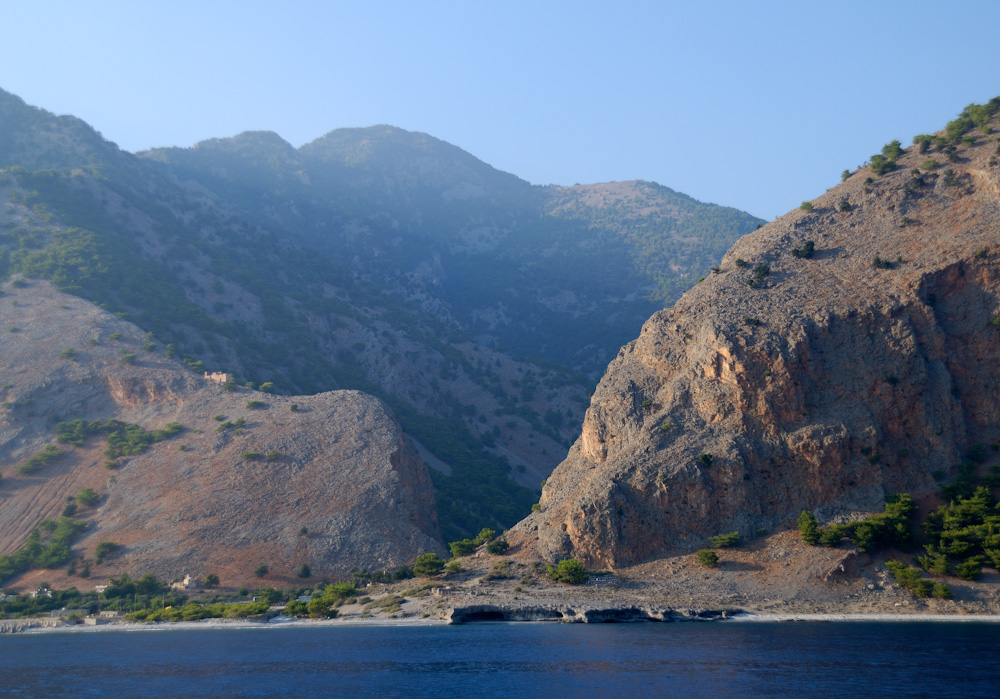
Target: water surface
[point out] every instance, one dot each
(512, 660)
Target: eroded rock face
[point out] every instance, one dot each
(826, 385)
(331, 483)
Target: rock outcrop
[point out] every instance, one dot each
(788, 381)
(328, 481)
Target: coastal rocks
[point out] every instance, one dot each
(485, 613)
(19, 625)
(786, 382)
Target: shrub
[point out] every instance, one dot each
(881, 165)
(935, 561)
(128, 358)
(45, 456)
(256, 404)
(261, 571)
(892, 150)
(759, 272)
(266, 387)
(723, 541)
(296, 608)
(941, 591)
(497, 547)
(879, 263)
(485, 534)
(741, 263)
(105, 549)
(428, 565)
(970, 568)
(211, 580)
(304, 571)
(569, 571)
(69, 353)
(708, 558)
(461, 548)
(321, 608)
(806, 251)
(890, 528)
(452, 568)
(88, 497)
(909, 578)
(251, 456)
(929, 164)
(845, 175)
(705, 460)
(844, 205)
(806, 206)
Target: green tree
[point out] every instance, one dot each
(723, 541)
(569, 570)
(321, 608)
(105, 549)
(88, 497)
(211, 580)
(809, 528)
(708, 558)
(970, 568)
(893, 150)
(497, 547)
(428, 565)
(941, 591)
(296, 608)
(463, 547)
(484, 536)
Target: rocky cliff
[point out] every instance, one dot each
(252, 479)
(843, 352)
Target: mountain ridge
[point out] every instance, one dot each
(839, 354)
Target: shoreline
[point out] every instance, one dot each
(738, 618)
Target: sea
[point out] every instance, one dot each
(717, 659)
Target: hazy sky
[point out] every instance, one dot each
(757, 105)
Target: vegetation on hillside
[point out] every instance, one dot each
(48, 546)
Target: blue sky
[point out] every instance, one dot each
(757, 105)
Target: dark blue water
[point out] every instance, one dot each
(512, 660)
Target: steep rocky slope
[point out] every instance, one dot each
(328, 481)
(790, 381)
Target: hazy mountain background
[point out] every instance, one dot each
(375, 259)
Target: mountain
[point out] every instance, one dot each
(372, 259)
(561, 274)
(242, 479)
(840, 354)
